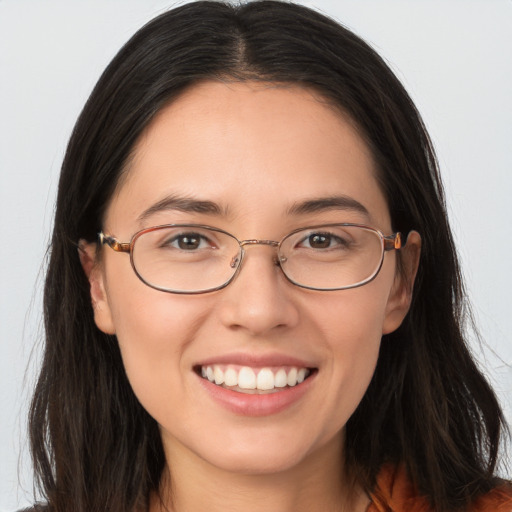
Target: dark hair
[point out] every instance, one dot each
(428, 406)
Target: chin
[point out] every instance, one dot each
(265, 453)
(255, 464)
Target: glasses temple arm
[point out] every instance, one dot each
(393, 242)
(113, 243)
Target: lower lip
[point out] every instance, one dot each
(257, 405)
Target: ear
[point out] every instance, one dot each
(94, 272)
(400, 297)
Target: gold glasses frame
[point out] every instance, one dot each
(389, 243)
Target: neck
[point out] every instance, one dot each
(316, 483)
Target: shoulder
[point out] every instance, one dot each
(499, 500)
(394, 492)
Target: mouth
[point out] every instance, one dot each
(254, 380)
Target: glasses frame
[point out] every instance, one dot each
(389, 243)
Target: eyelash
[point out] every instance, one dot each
(341, 242)
(175, 239)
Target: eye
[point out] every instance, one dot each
(188, 242)
(324, 240)
(319, 241)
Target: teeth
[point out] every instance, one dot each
(265, 379)
(218, 375)
(292, 377)
(245, 377)
(230, 377)
(281, 379)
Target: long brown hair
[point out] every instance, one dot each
(428, 406)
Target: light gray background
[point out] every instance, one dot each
(454, 56)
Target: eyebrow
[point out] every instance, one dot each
(328, 203)
(190, 205)
(183, 204)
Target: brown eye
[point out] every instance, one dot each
(319, 241)
(189, 242)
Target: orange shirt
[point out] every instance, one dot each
(395, 493)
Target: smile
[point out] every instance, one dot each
(246, 379)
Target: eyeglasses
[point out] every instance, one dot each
(192, 259)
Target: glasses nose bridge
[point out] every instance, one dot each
(237, 262)
(271, 243)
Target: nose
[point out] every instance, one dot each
(260, 299)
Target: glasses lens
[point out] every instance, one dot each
(185, 258)
(331, 257)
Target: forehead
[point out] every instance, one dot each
(251, 148)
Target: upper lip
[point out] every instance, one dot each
(256, 360)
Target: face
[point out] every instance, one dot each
(256, 151)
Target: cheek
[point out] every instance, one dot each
(351, 327)
(153, 330)
(360, 328)
(352, 319)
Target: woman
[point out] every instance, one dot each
(283, 331)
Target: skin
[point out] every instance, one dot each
(256, 150)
